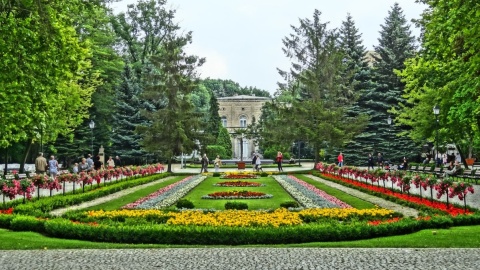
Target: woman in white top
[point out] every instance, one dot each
(110, 163)
(217, 163)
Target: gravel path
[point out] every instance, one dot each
(243, 258)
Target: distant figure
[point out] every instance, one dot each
(340, 159)
(204, 162)
(380, 160)
(254, 161)
(458, 158)
(279, 160)
(83, 166)
(75, 168)
(452, 169)
(53, 167)
(118, 161)
(370, 162)
(40, 164)
(110, 163)
(404, 164)
(217, 163)
(97, 164)
(89, 162)
(258, 164)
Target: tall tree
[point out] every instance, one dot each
(358, 74)
(396, 44)
(319, 114)
(47, 82)
(214, 121)
(445, 73)
(126, 142)
(174, 128)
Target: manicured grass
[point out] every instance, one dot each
(347, 198)
(129, 198)
(456, 237)
(207, 187)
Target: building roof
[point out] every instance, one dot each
(243, 97)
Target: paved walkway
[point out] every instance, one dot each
(243, 258)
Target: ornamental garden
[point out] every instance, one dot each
(232, 208)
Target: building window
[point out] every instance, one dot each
(224, 121)
(243, 122)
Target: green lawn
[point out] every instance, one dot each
(271, 187)
(456, 237)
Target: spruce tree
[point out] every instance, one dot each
(358, 74)
(396, 44)
(125, 142)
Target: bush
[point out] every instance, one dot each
(290, 204)
(236, 205)
(184, 203)
(216, 174)
(27, 223)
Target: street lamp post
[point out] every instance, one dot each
(389, 122)
(92, 126)
(436, 112)
(299, 145)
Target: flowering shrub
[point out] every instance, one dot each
(8, 211)
(239, 176)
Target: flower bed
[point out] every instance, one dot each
(239, 184)
(308, 195)
(239, 176)
(243, 194)
(168, 195)
(450, 209)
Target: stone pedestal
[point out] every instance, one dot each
(101, 154)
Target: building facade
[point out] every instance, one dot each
(238, 112)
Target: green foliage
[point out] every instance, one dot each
(236, 205)
(27, 223)
(184, 203)
(229, 88)
(214, 150)
(290, 204)
(321, 94)
(225, 141)
(445, 73)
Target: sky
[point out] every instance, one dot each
(242, 39)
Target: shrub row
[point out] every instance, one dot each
(204, 235)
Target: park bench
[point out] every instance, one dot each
(476, 176)
(466, 174)
(438, 171)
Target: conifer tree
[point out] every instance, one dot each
(125, 142)
(358, 74)
(396, 44)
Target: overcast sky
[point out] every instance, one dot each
(242, 39)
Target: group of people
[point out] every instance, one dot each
(256, 162)
(86, 164)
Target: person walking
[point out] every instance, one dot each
(380, 160)
(340, 159)
(90, 162)
(279, 160)
(254, 161)
(83, 166)
(370, 162)
(217, 163)
(258, 164)
(53, 167)
(40, 164)
(204, 163)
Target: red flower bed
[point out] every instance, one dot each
(244, 194)
(450, 209)
(9, 211)
(239, 176)
(238, 184)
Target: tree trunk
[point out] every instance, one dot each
(25, 156)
